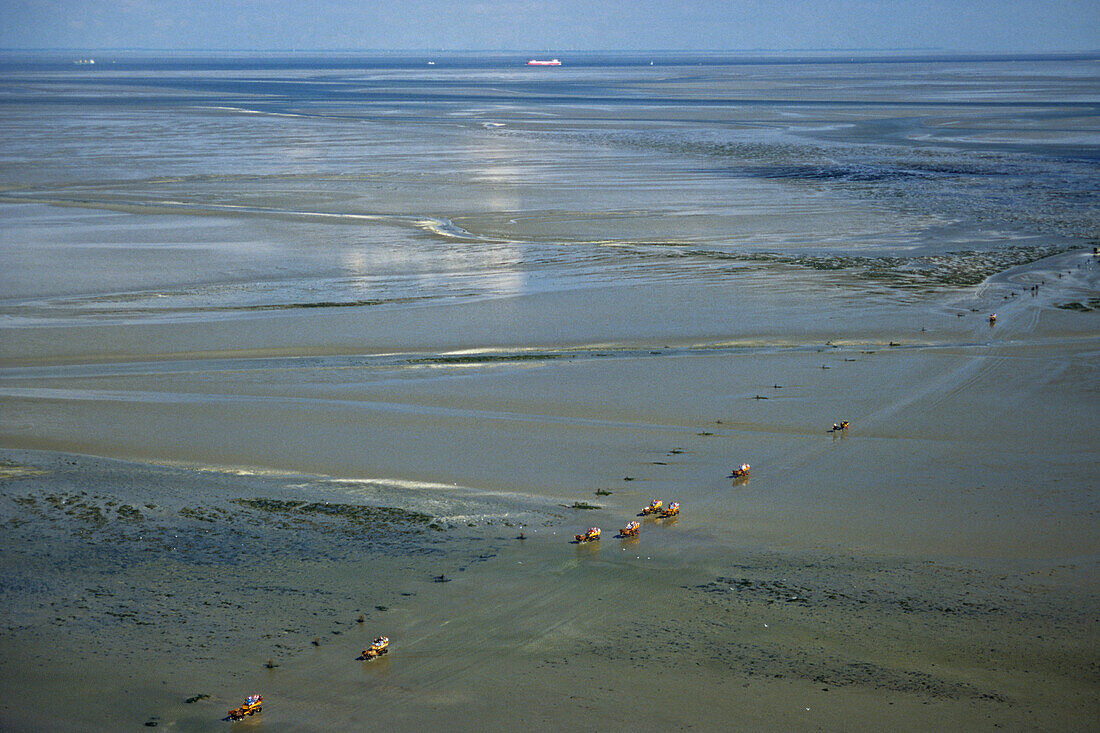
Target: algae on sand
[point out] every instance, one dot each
(374, 516)
(959, 269)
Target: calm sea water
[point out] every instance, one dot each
(203, 187)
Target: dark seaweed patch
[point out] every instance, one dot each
(318, 304)
(951, 268)
(210, 534)
(200, 515)
(960, 269)
(779, 662)
(1088, 306)
(748, 590)
(375, 516)
(854, 173)
(128, 513)
(489, 358)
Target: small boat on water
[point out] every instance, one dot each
(537, 62)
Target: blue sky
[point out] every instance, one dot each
(1030, 26)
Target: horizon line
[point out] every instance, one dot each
(521, 51)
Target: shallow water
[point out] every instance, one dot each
(387, 172)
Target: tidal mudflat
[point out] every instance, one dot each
(298, 352)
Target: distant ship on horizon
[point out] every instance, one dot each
(551, 62)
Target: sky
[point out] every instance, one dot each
(979, 26)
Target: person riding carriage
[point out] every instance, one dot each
(252, 705)
(380, 646)
(591, 535)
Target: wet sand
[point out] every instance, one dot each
(933, 565)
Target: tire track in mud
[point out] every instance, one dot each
(452, 641)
